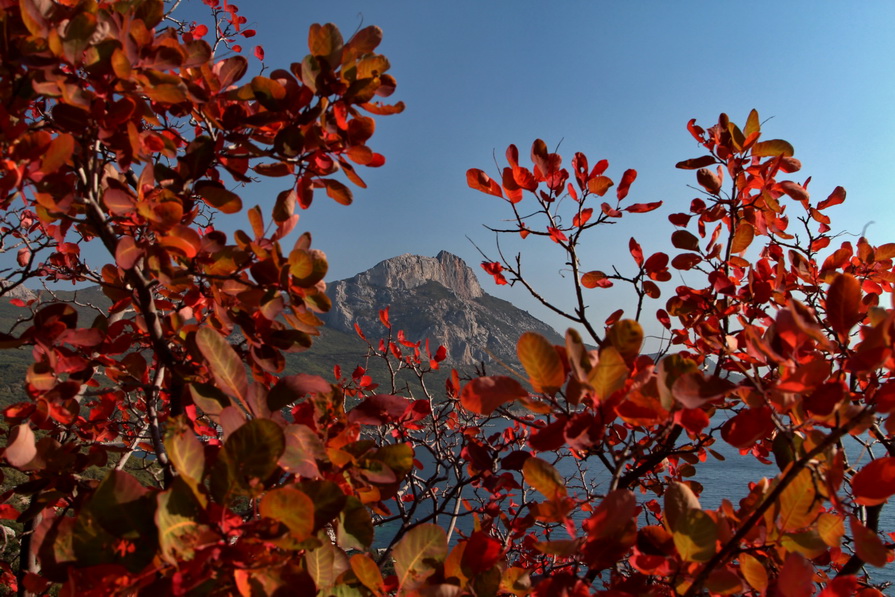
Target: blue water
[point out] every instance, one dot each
(728, 479)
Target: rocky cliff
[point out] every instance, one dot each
(437, 298)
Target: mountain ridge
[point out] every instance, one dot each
(438, 298)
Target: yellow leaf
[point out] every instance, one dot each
(541, 362)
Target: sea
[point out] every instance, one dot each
(721, 479)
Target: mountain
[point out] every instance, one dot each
(437, 298)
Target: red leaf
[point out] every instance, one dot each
(581, 219)
(482, 553)
(557, 235)
(835, 198)
(640, 208)
(794, 190)
(383, 317)
(259, 51)
(696, 163)
(636, 251)
(625, 184)
(484, 394)
(686, 261)
(599, 168)
(379, 410)
(743, 430)
(868, 545)
(478, 180)
(494, 268)
(874, 483)
(843, 304)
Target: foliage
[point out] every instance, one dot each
(123, 128)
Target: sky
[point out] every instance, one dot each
(614, 80)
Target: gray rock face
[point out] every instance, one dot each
(437, 298)
(407, 271)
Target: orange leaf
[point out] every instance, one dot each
(484, 394)
(544, 477)
(835, 198)
(478, 180)
(594, 279)
(223, 362)
(541, 362)
(127, 252)
(772, 148)
(599, 185)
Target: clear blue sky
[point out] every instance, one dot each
(615, 80)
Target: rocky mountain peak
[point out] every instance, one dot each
(437, 298)
(407, 271)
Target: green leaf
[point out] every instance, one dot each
(186, 453)
(176, 517)
(679, 498)
(398, 457)
(328, 498)
(355, 527)
(419, 551)
(544, 477)
(249, 458)
(541, 362)
(695, 536)
(223, 362)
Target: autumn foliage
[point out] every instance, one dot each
(130, 133)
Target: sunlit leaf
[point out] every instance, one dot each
(541, 362)
(753, 571)
(478, 180)
(626, 336)
(366, 571)
(875, 482)
(609, 374)
(544, 477)
(223, 362)
(595, 279)
(772, 148)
